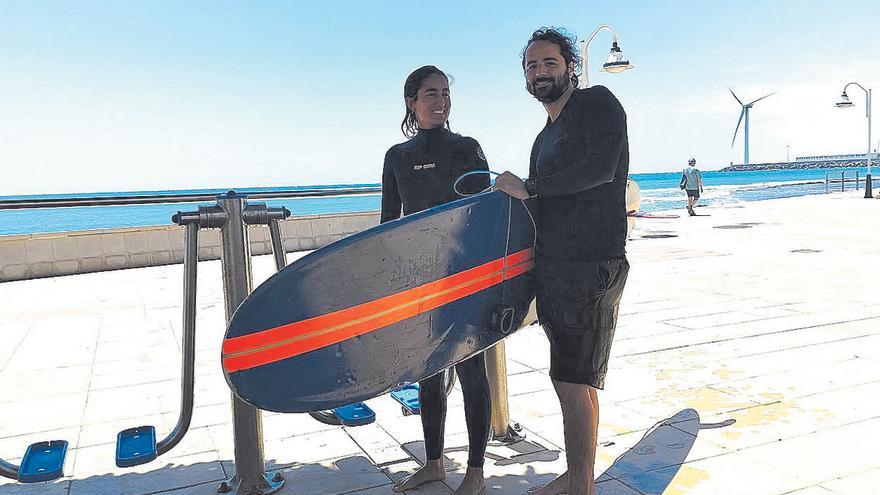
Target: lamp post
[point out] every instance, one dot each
(845, 102)
(615, 62)
(787, 154)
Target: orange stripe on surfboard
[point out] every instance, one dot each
(292, 339)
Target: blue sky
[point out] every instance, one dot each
(102, 96)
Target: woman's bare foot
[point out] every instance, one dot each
(473, 482)
(559, 486)
(432, 471)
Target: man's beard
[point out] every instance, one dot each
(552, 92)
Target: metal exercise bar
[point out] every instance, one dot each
(231, 215)
(501, 431)
(138, 445)
(277, 244)
(247, 424)
(190, 269)
(8, 469)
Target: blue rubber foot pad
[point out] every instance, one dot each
(43, 461)
(408, 396)
(135, 446)
(357, 414)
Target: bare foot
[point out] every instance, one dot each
(431, 471)
(559, 486)
(473, 482)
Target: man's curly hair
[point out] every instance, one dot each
(567, 44)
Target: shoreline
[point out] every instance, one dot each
(657, 189)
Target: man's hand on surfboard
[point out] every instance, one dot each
(511, 185)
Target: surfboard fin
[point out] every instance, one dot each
(502, 319)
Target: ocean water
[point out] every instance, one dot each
(659, 191)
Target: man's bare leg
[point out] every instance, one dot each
(473, 482)
(433, 470)
(580, 418)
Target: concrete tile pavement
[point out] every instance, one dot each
(745, 362)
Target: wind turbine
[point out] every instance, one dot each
(745, 112)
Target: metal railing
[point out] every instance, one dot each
(844, 179)
(146, 199)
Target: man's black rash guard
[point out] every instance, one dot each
(580, 163)
(419, 173)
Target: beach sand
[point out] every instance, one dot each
(747, 361)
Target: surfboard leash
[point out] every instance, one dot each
(489, 189)
(504, 291)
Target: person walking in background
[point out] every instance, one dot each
(692, 183)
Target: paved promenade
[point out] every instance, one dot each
(747, 361)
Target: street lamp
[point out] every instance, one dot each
(787, 154)
(615, 62)
(845, 102)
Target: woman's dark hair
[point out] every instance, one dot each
(565, 42)
(410, 125)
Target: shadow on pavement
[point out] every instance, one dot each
(649, 466)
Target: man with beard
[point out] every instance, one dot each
(577, 172)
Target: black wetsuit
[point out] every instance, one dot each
(418, 175)
(580, 163)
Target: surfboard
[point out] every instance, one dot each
(385, 307)
(633, 200)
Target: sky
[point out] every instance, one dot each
(133, 95)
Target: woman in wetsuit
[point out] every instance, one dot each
(419, 174)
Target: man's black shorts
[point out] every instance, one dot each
(577, 306)
(693, 193)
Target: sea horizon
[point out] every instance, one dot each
(659, 192)
(220, 189)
